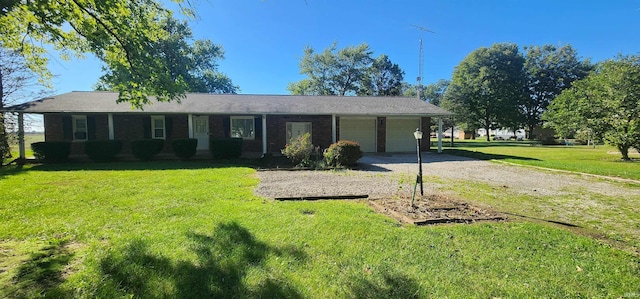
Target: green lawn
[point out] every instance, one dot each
(28, 140)
(187, 229)
(601, 160)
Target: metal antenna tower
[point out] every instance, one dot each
(421, 57)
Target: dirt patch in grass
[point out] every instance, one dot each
(434, 209)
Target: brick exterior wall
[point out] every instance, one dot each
(277, 130)
(128, 127)
(381, 132)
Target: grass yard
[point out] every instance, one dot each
(601, 160)
(28, 140)
(180, 229)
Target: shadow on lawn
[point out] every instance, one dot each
(224, 259)
(390, 286)
(127, 165)
(42, 273)
(484, 156)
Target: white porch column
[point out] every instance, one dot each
(264, 134)
(440, 135)
(190, 124)
(110, 121)
(334, 132)
(21, 136)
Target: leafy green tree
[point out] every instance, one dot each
(411, 91)
(606, 103)
(192, 62)
(549, 70)
(434, 92)
(487, 88)
(122, 33)
(382, 78)
(348, 71)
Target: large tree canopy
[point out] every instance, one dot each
(382, 78)
(122, 33)
(606, 103)
(192, 62)
(348, 71)
(549, 71)
(487, 88)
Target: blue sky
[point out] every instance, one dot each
(264, 39)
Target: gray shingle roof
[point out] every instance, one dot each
(200, 103)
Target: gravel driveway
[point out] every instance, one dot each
(392, 174)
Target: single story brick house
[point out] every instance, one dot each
(265, 122)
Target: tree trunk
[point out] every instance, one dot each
(530, 133)
(488, 135)
(624, 150)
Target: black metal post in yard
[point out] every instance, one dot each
(418, 135)
(420, 168)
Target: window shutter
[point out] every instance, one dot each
(146, 127)
(258, 126)
(168, 126)
(226, 126)
(67, 128)
(91, 127)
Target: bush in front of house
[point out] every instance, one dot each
(102, 150)
(184, 148)
(146, 149)
(343, 153)
(299, 150)
(51, 151)
(226, 148)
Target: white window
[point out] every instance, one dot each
(80, 131)
(157, 127)
(296, 129)
(243, 126)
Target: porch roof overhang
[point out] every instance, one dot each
(83, 102)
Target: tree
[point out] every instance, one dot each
(342, 72)
(192, 62)
(122, 33)
(17, 82)
(382, 78)
(434, 92)
(606, 103)
(549, 71)
(487, 88)
(411, 91)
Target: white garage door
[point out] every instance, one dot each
(360, 130)
(400, 134)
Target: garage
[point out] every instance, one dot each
(400, 134)
(360, 130)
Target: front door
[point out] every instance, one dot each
(201, 131)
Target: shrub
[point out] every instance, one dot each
(343, 153)
(102, 150)
(145, 149)
(299, 150)
(51, 151)
(184, 148)
(226, 148)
